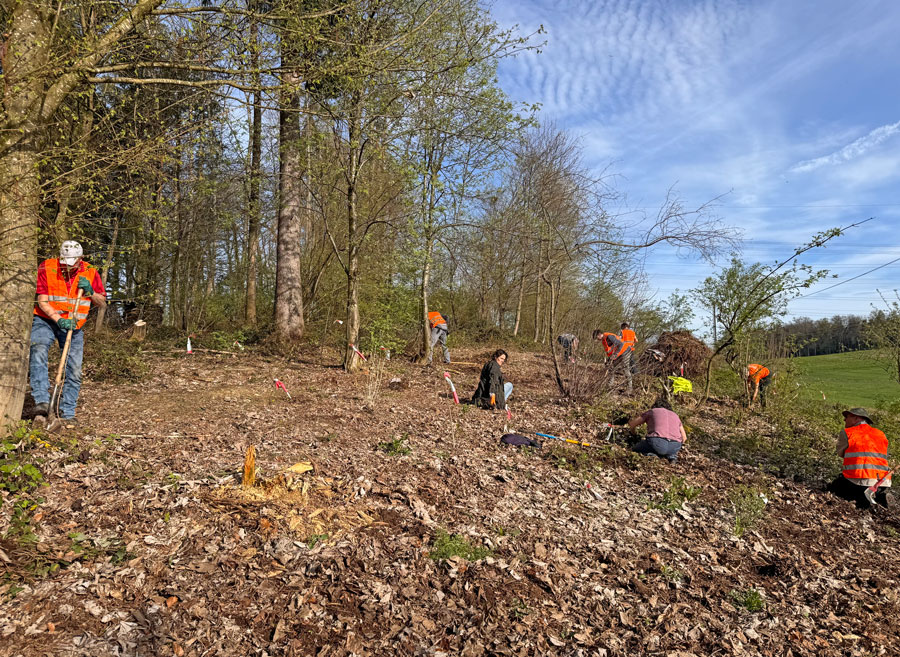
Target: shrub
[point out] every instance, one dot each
(118, 361)
(395, 447)
(749, 507)
(750, 599)
(675, 495)
(453, 545)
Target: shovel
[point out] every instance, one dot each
(63, 359)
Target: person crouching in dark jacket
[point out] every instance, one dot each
(493, 390)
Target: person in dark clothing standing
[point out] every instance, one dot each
(493, 390)
(569, 344)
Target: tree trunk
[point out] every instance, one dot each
(101, 311)
(20, 198)
(426, 280)
(254, 211)
(351, 360)
(520, 300)
(289, 323)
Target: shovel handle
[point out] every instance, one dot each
(65, 351)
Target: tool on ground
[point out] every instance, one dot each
(238, 345)
(358, 352)
(63, 359)
(279, 384)
(452, 387)
(189, 350)
(387, 352)
(565, 440)
(871, 490)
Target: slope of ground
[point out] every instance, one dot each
(851, 378)
(154, 549)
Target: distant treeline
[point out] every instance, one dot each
(811, 337)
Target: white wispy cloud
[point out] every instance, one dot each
(851, 151)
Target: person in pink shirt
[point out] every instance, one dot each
(665, 433)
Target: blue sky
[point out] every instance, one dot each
(788, 111)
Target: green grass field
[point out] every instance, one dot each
(851, 378)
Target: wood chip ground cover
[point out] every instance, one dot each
(158, 550)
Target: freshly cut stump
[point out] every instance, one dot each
(249, 467)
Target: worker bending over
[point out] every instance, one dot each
(569, 344)
(439, 333)
(756, 379)
(865, 452)
(615, 350)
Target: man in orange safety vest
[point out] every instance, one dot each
(439, 333)
(56, 312)
(864, 450)
(757, 379)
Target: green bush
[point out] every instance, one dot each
(678, 492)
(749, 507)
(750, 599)
(119, 361)
(453, 545)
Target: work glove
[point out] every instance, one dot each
(84, 284)
(66, 324)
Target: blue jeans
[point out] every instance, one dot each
(507, 390)
(664, 449)
(43, 333)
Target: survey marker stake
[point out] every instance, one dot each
(452, 387)
(279, 384)
(358, 352)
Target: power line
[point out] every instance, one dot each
(851, 279)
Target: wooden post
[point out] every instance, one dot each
(249, 467)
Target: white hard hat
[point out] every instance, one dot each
(70, 252)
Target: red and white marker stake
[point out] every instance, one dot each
(189, 350)
(508, 413)
(279, 384)
(452, 387)
(358, 352)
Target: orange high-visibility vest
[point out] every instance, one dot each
(629, 337)
(62, 298)
(757, 372)
(434, 318)
(866, 455)
(604, 340)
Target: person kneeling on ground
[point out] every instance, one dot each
(665, 433)
(864, 450)
(493, 390)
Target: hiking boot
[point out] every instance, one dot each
(885, 500)
(42, 409)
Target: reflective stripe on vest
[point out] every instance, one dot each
(629, 338)
(62, 298)
(866, 454)
(435, 318)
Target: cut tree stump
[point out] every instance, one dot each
(249, 467)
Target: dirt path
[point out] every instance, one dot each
(159, 551)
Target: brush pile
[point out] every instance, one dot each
(678, 348)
